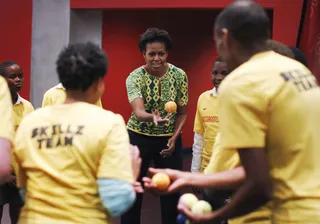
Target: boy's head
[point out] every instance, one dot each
(12, 72)
(219, 72)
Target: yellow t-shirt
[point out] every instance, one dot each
(57, 95)
(20, 109)
(273, 102)
(225, 160)
(6, 117)
(206, 123)
(61, 151)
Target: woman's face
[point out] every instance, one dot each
(155, 56)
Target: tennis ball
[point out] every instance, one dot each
(201, 207)
(161, 180)
(170, 107)
(188, 199)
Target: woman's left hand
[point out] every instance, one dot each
(171, 146)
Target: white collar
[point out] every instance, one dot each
(19, 100)
(214, 92)
(59, 86)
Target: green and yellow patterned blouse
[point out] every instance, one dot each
(174, 87)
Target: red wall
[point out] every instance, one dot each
(121, 30)
(193, 51)
(16, 34)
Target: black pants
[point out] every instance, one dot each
(150, 148)
(10, 194)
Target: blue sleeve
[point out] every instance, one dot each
(117, 196)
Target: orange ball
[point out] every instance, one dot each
(161, 180)
(170, 107)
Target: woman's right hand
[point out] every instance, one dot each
(157, 120)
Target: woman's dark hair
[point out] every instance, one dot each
(155, 35)
(4, 65)
(79, 65)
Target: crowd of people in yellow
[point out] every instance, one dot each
(256, 134)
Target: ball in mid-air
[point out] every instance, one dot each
(170, 107)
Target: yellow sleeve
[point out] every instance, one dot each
(6, 113)
(99, 103)
(18, 156)
(198, 126)
(46, 100)
(115, 160)
(29, 108)
(242, 116)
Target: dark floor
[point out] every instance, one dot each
(150, 208)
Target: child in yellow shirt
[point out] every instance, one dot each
(13, 74)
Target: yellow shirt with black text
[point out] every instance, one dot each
(62, 150)
(206, 123)
(273, 102)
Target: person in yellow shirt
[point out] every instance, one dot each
(216, 178)
(206, 120)
(6, 131)
(13, 74)
(74, 159)
(221, 161)
(272, 103)
(57, 95)
(274, 124)
(261, 99)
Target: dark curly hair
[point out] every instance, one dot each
(155, 35)
(4, 65)
(80, 64)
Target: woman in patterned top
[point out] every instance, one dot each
(151, 128)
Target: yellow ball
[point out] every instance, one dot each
(170, 107)
(188, 199)
(201, 207)
(161, 180)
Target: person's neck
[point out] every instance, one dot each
(159, 73)
(76, 96)
(247, 54)
(14, 97)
